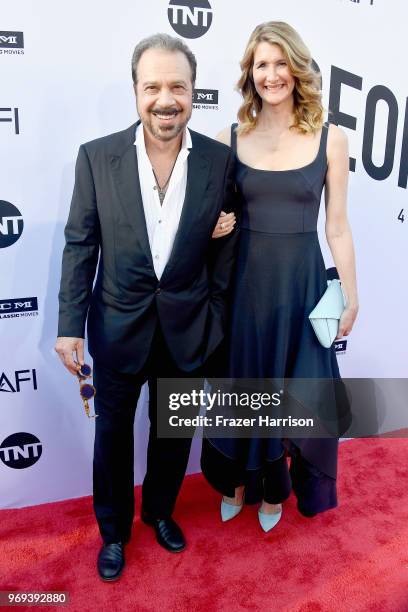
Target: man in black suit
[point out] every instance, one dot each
(145, 203)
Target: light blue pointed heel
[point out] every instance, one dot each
(229, 511)
(268, 521)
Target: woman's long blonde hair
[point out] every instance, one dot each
(308, 111)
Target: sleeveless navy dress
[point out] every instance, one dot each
(280, 276)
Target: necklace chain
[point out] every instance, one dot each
(162, 190)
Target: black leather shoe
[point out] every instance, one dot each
(304, 512)
(168, 533)
(111, 561)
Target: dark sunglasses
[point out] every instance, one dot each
(86, 390)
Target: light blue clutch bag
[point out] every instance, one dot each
(326, 315)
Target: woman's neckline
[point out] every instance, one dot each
(290, 169)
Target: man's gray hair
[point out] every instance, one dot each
(168, 43)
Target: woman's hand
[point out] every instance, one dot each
(225, 225)
(347, 321)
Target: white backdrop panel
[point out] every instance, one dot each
(72, 84)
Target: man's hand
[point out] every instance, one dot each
(66, 348)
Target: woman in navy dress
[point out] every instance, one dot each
(286, 154)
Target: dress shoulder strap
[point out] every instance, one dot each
(234, 137)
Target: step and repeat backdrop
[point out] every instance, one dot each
(65, 79)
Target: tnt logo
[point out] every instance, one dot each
(11, 224)
(11, 40)
(20, 450)
(190, 18)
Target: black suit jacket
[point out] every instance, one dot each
(106, 221)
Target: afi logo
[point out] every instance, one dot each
(11, 224)
(190, 18)
(14, 118)
(7, 386)
(20, 450)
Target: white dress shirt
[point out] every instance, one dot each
(162, 220)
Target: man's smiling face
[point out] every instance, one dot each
(164, 92)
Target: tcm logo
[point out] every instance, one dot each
(20, 450)
(340, 346)
(19, 307)
(190, 18)
(205, 96)
(11, 40)
(12, 384)
(205, 99)
(10, 115)
(11, 224)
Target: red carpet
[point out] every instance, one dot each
(354, 558)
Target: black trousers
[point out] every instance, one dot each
(113, 479)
